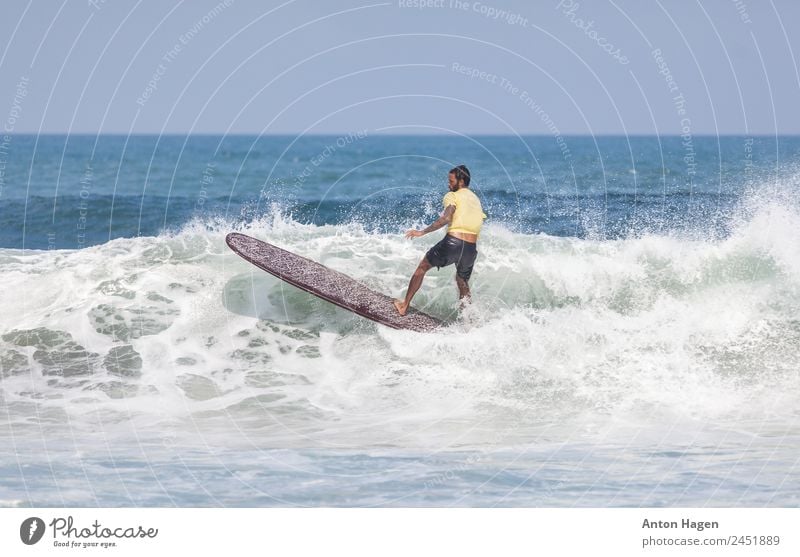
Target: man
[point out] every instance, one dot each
(464, 215)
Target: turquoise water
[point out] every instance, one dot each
(607, 187)
(633, 338)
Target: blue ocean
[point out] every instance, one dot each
(633, 338)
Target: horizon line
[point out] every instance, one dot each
(384, 134)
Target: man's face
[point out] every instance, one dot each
(451, 182)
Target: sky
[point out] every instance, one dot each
(403, 66)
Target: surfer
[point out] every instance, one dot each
(464, 215)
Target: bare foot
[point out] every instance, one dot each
(402, 306)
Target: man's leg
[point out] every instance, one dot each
(463, 288)
(413, 285)
(464, 271)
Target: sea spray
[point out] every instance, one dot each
(176, 327)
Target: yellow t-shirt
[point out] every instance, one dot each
(469, 214)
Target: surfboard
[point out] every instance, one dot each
(332, 286)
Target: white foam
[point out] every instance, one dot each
(632, 329)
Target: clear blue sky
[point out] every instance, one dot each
(311, 66)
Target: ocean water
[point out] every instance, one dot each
(633, 340)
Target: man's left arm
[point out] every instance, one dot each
(446, 218)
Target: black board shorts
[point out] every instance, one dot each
(453, 250)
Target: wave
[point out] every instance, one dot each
(176, 329)
(69, 221)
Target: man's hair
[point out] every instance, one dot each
(462, 173)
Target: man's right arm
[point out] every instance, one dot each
(446, 218)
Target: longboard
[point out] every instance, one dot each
(332, 286)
